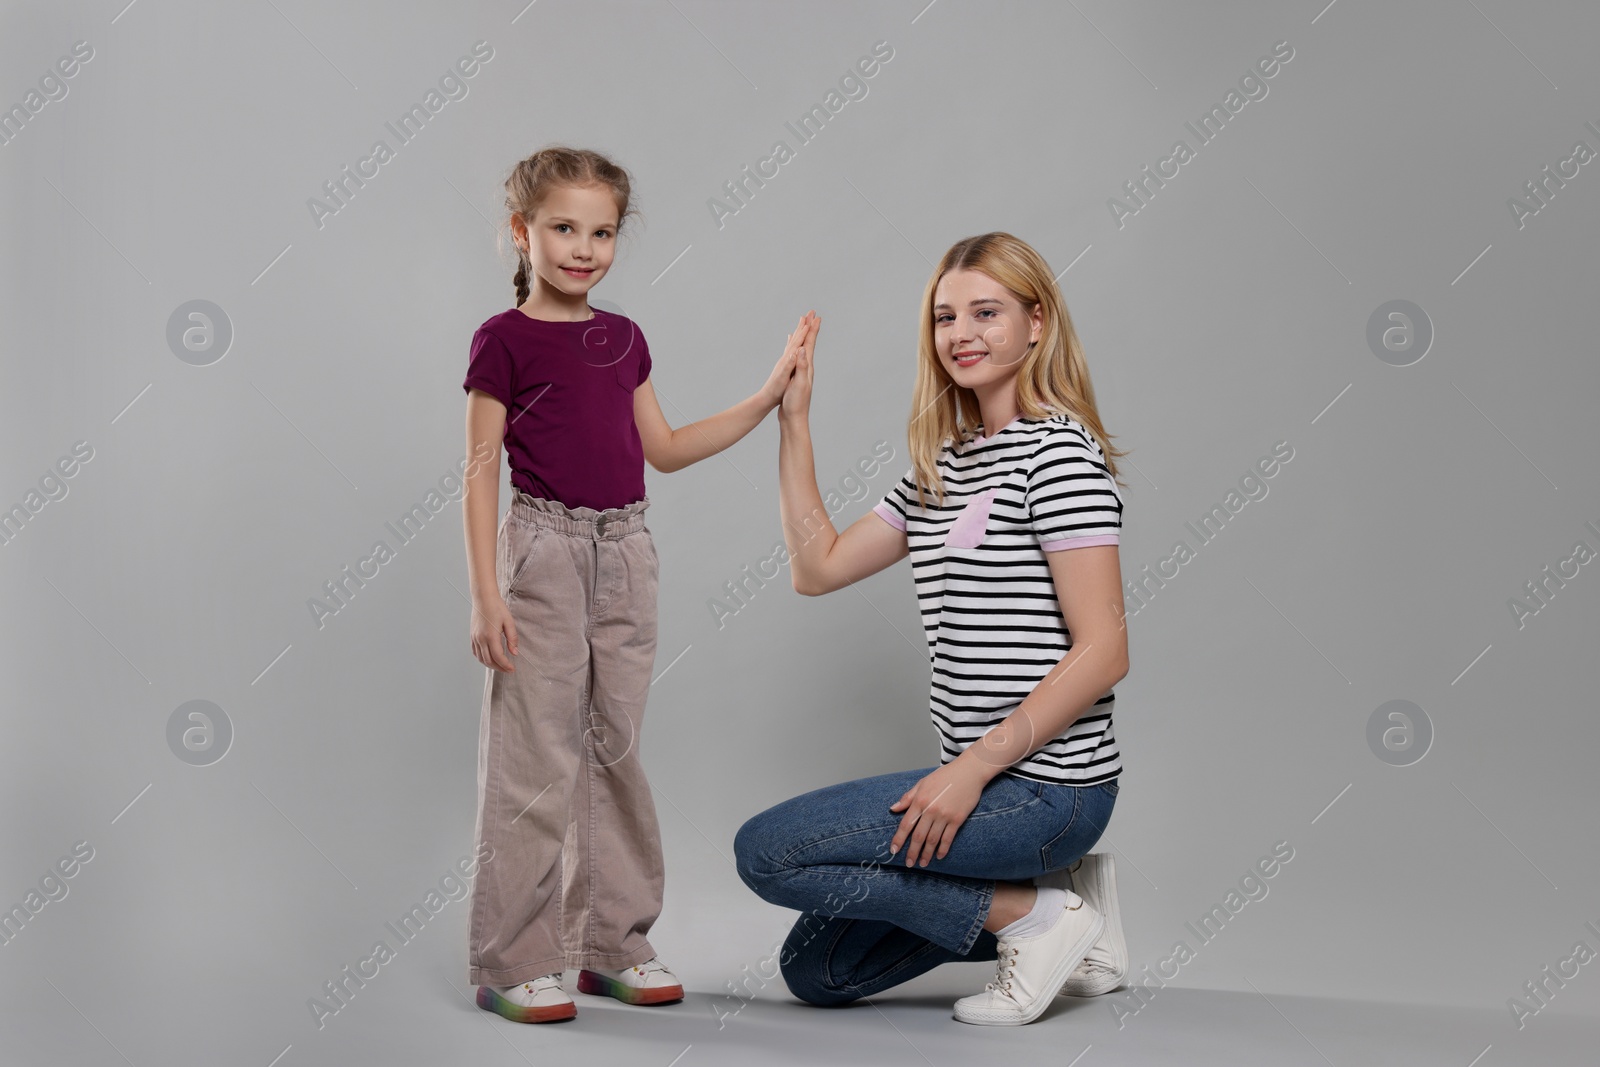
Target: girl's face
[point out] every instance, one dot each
(572, 238)
(981, 332)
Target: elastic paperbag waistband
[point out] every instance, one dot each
(580, 522)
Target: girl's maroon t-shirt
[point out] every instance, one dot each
(568, 391)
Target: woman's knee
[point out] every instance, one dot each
(819, 995)
(754, 855)
(806, 974)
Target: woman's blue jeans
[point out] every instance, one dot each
(869, 922)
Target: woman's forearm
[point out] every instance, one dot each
(694, 442)
(1085, 674)
(807, 530)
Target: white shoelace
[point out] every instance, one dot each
(1005, 962)
(535, 987)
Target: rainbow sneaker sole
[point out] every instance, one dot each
(599, 985)
(489, 999)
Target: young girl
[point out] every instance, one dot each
(564, 605)
(1012, 527)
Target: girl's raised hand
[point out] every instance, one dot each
(778, 381)
(796, 401)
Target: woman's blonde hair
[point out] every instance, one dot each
(1053, 378)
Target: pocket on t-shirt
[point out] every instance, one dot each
(971, 526)
(627, 372)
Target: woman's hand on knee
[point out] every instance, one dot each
(934, 810)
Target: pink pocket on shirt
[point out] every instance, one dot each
(972, 524)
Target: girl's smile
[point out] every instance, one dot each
(570, 244)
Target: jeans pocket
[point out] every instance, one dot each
(1091, 813)
(1061, 849)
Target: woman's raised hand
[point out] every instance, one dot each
(796, 401)
(778, 381)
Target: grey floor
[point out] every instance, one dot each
(421, 1011)
(913, 1026)
(434, 1021)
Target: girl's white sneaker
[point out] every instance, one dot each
(539, 1001)
(1030, 971)
(645, 983)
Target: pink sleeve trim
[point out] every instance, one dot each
(1079, 542)
(884, 512)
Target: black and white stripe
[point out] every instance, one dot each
(994, 625)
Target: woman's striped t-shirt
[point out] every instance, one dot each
(988, 602)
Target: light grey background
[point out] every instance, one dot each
(1230, 313)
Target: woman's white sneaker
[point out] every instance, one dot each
(1030, 971)
(1105, 965)
(539, 1001)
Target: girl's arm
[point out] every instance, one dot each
(820, 558)
(480, 509)
(669, 450)
(1088, 584)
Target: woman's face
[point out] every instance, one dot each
(572, 238)
(981, 332)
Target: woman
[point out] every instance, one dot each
(1011, 514)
